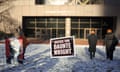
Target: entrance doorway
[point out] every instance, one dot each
(44, 28)
(52, 27)
(81, 26)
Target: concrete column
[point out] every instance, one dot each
(118, 27)
(67, 27)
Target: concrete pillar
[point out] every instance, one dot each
(118, 27)
(67, 27)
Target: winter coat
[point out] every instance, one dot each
(110, 41)
(92, 40)
(23, 41)
(7, 47)
(15, 45)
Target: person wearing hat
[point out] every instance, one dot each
(110, 43)
(92, 41)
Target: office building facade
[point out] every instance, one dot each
(45, 19)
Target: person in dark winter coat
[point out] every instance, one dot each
(110, 43)
(92, 40)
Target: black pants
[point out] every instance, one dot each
(109, 53)
(24, 50)
(92, 54)
(8, 60)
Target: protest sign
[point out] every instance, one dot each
(63, 46)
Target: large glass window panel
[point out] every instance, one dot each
(40, 20)
(31, 24)
(30, 32)
(84, 19)
(51, 25)
(61, 20)
(47, 34)
(99, 34)
(74, 25)
(66, 2)
(51, 20)
(81, 33)
(40, 1)
(76, 19)
(61, 32)
(83, 25)
(95, 25)
(53, 33)
(41, 25)
(74, 32)
(61, 25)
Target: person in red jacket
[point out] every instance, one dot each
(7, 50)
(24, 44)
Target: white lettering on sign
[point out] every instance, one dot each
(62, 51)
(64, 45)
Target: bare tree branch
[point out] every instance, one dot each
(7, 23)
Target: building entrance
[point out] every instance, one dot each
(45, 28)
(81, 26)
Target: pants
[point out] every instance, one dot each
(13, 56)
(92, 54)
(8, 60)
(109, 54)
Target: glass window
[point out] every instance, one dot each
(76, 19)
(53, 33)
(29, 22)
(51, 25)
(99, 33)
(82, 25)
(39, 1)
(96, 2)
(81, 33)
(51, 20)
(61, 32)
(61, 20)
(61, 25)
(96, 25)
(41, 25)
(74, 32)
(39, 20)
(63, 2)
(85, 19)
(29, 32)
(74, 25)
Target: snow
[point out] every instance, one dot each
(38, 59)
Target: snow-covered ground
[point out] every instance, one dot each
(38, 60)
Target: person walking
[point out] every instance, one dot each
(92, 41)
(110, 44)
